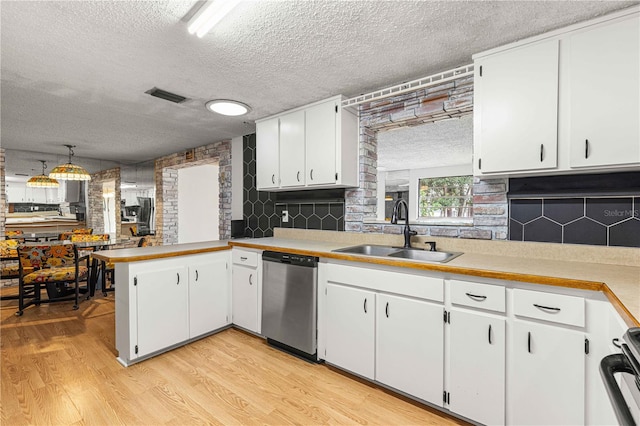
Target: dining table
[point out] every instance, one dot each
(38, 236)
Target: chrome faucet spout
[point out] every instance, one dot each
(397, 215)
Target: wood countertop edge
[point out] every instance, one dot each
(152, 256)
(627, 316)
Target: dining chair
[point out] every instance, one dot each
(57, 267)
(82, 231)
(15, 235)
(9, 268)
(65, 236)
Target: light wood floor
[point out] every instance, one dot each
(59, 368)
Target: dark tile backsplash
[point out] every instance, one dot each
(34, 207)
(604, 221)
(262, 212)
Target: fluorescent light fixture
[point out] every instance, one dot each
(210, 14)
(228, 107)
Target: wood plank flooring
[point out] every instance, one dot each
(59, 368)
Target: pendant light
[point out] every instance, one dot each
(43, 181)
(69, 171)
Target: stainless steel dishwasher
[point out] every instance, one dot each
(289, 302)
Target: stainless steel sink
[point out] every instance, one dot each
(399, 252)
(369, 250)
(426, 256)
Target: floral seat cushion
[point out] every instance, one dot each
(49, 275)
(8, 249)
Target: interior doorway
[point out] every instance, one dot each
(109, 207)
(198, 203)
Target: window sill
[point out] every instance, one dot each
(425, 222)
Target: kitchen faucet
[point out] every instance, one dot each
(396, 215)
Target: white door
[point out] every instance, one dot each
(477, 366)
(410, 346)
(162, 309)
(320, 135)
(245, 297)
(198, 203)
(350, 329)
(292, 149)
(517, 103)
(208, 296)
(545, 377)
(267, 154)
(604, 93)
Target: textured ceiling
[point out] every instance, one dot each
(76, 72)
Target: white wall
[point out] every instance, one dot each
(198, 209)
(237, 183)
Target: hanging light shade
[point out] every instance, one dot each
(42, 181)
(69, 171)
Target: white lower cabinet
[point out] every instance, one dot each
(162, 309)
(163, 303)
(546, 375)
(208, 296)
(246, 290)
(350, 329)
(409, 353)
(477, 366)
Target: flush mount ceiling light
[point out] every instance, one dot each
(43, 181)
(210, 14)
(228, 107)
(69, 171)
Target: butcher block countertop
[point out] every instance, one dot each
(621, 284)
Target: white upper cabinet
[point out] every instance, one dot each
(604, 95)
(316, 147)
(320, 132)
(267, 154)
(562, 102)
(292, 149)
(517, 99)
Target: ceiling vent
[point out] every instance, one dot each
(167, 96)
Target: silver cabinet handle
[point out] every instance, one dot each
(243, 258)
(196, 275)
(490, 334)
(541, 152)
(298, 176)
(365, 305)
(250, 279)
(311, 174)
(273, 178)
(547, 308)
(386, 310)
(178, 275)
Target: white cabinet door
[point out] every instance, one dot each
(267, 154)
(604, 93)
(517, 103)
(350, 329)
(545, 377)
(162, 309)
(320, 134)
(409, 346)
(292, 149)
(245, 297)
(208, 296)
(477, 366)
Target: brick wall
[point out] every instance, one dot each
(448, 100)
(95, 218)
(166, 178)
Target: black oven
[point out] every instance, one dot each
(625, 397)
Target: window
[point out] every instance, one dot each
(445, 197)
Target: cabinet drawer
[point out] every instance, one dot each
(482, 296)
(549, 307)
(246, 258)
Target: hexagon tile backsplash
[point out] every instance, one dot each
(603, 221)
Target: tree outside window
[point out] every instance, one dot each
(447, 197)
